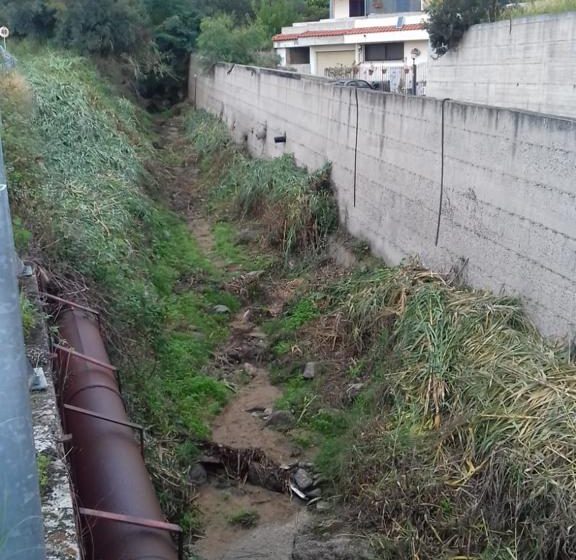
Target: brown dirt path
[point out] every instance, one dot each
(280, 516)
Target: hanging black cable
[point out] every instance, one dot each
(356, 146)
(441, 171)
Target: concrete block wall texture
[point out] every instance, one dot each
(508, 214)
(526, 63)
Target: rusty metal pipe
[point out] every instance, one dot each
(107, 467)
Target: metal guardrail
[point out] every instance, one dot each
(21, 523)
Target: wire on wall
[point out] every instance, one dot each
(442, 166)
(356, 145)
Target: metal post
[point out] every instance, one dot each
(21, 524)
(414, 72)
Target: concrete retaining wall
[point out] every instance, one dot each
(509, 194)
(526, 63)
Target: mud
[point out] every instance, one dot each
(278, 516)
(241, 424)
(239, 428)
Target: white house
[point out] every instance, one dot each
(377, 40)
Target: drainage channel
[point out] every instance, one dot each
(119, 513)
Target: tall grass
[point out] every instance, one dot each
(77, 157)
(297, 209)
(538, 7)
(468, 447)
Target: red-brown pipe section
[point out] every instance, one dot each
(107, 466)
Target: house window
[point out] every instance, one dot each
(393, 6)
(380, 52)
(298, 55)
(357, 8)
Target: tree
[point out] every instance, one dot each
(160, 10)
(272, 15)
(29, 17)
(240, 10)
(316, 9)
(103, 27)
(221, 40)
(449, 20)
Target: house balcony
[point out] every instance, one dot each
(353, 29)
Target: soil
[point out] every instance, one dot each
(223, 540)
(241, 424)
(239, 428)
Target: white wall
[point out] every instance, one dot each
(341, 8)
(528, 63)
(509, 206)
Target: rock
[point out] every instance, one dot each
(296, 452)
(281, 420)
(312, 547)
(247, 236)
(198, 476)
(323, 506)
(314, 493)
(309, 371)
(258, 334)
(251, 370)
(256, 410)
(353, 391)
(221, 310)
(341, 254)
(303, 479)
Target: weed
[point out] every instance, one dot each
(76, 155)
(454, 432)
(29, 315)
(536, 7)
(297, 209)
(22, 237)
(44, 462)
(228, 249)
(245, 519)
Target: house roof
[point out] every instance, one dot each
(342, 32)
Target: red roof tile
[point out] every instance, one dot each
(342, 32)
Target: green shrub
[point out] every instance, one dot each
(222, 40)
(448, 20)
(29, 314)
(297, 209)
(103, 27)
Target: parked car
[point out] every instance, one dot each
(355, 83)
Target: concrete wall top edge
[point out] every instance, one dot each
(374, 96)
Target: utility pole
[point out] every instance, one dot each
(21, 523)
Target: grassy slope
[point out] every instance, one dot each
(458, 439)
(76, 155)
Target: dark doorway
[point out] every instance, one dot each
(357, 8)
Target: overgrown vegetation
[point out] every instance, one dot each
(44, 463)
(29, 314)
(537, 7)
(153, 39)
(448, 20)
(223, 40)
(296, 210)
(75, 152)
(445, 424)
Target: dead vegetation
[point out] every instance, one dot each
(459, 439)
(462, 441)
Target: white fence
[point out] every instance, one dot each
(395, 79)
